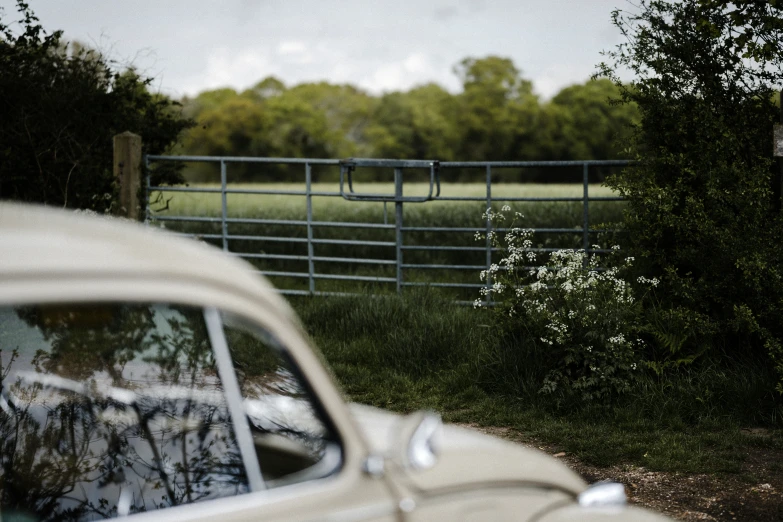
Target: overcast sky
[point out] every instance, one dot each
(190, 46)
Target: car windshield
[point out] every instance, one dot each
(110, 409)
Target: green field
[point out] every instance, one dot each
(240, 205)
(452, 214)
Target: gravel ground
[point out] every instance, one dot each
(756, 493)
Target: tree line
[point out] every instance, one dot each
(496, 117)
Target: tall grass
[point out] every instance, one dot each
(420, 350)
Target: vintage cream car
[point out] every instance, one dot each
(152, 376)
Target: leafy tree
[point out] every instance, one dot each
(346, 110)
(494, 107)
(266, 88)
(288, 124)
(587, 121)
(236, 127)
(206, 101)
(582, 122)
(420, 123)
(299, 129)
(308, 120)
(701, 212)
(61, 106)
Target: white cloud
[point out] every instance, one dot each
(416, 63)
(291, 47)
(236, 69)
(556, 77)
(415, 69)
(381, 45)
(295, 51)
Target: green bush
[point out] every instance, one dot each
(61, 106)
(584, 319)
(704, 202)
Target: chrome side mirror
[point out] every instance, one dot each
(420, 437)
(415, 442)
(603, 494)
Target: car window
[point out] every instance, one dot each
(292, 439)
(110, 409)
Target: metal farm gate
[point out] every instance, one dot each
(315, 251)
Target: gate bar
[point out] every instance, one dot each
(398, 223)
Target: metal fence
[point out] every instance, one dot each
(320, 250)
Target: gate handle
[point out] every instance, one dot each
(347, 166)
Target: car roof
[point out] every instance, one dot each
(38, 241)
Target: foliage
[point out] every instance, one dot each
(498, 109)
(61, 105)
(270, 120)
(420, 123)
(586, 122)
(703, 214)
(585, 318)
(496, 116)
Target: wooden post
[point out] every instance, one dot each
(127, 172)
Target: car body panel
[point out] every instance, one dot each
(53, 256)
(490, 460)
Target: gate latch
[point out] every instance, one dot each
(347, 167)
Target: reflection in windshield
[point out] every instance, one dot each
(107, 410)
(290, 437)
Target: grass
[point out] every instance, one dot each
(455, 214)
(185, 203)
(421, 351)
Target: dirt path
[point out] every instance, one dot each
(754, 494)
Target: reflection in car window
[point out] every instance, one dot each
(110, 409)
(292, 441)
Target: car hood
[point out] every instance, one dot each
(467, 458)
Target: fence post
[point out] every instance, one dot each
(310, 250)
(585, 209)
(223, 205)
(127, 172)
(398, 224)
(488, 205)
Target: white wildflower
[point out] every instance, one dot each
(652, 281)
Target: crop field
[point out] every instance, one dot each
(369, 253)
